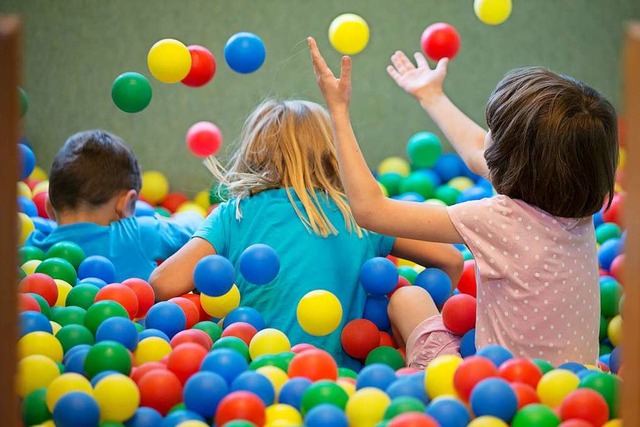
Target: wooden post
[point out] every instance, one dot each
(10, 52)
(631, 382)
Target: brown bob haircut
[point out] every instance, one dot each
(90, 169)
(555, 142)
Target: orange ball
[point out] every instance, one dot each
(242, 330)
(190, 310)
(161, 390)
(314, 364)
(121, 294)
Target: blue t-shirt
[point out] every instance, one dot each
(307, 261)
(132, 244)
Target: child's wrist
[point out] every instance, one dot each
(430, 98)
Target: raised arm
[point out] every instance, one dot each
(425, 84)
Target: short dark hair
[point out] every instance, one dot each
(555, 142)
(91, 168)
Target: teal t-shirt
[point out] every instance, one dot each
(307, 261)
(133, 244)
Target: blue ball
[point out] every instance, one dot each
(73, 350)
(484, 183)
(94, 281)
(615, 359)
(324, 415)
(203, 392)
(27, 161)
(244, 52)
(120, 330)
(97, 266)
(608, 251)
(245, 314)
(32, 321)
(214, 275)
(606, 359)
(179, 416)
(375, 310)
(449, 166)
(292, 391)
(378, 276)
(469, 174)
(495, 397)
(497, 354)
(225, 362)
(144, 417)
(405, 387)
(410, 197)
(76, 409)
(144, 209)
(573, 367)
(259, 264)
(437, 283)
(597, 219)
(75, 362)
(468, 343)
(433, 177)
(476, 192)
(449, 412)
(376, 375)
(100, 375)
(27, 206)
(166, 317)
(153, 333)
(257, 384)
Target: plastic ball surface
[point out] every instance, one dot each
(259, 264)
(492, 12)
(241, 405)
(169, 61)
(214, 275)
(459, 313)
(244, 52)
(203, 67)
(439, 376)
(76, 409)
(367, 406)
(423, 149)
(118, 397)
(319, 312)
(440, 40)
(204, 139)
(378, 276)
(131, 92)
(349, 34)
(555, 385)
(494, 397)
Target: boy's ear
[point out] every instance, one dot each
(48, 207)
(126, 205)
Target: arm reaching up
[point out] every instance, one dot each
(425, 85)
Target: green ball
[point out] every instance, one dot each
(58, 268)
(268, 360)
(212, 329)
(131, 92)
(44, 305)
(73, 335)
(162, 212)
(544, 365)
(323, 391)
(383, 423)
(21, 275)
(34, 408)
(239, 423)
(107, 356)
(347, 373)
(610, 293)
(70, 251)
(608, 386)
(69, 316)
(447, 194)
(467, 255)
(111, 424)
(61, 368)
(285, 358)
(218, 193)
(28, 253)
(418, 182)
(403, 404)
(391, 181)
(387, 355)
(408, 273)
(535, 415)
(138, 326)
(603, 328)
(606, 231)
(423, 149)
(24, 102)
(101, 311)
(604, 349)
(234, 343)
(82, 295)
(178, 407)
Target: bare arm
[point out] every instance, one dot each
(425, 84)
(439, 255)
(174, 276)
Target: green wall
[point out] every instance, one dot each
(75, 48)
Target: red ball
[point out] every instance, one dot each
(614, 213)
(617, 268)
(161, 390)
(413, 419)
(299, 348)
(244, 331)
(402, 282)
(241, 405)
(203, 67)
(459, 314)
(40, 200)
(520, 371)
(144, 292)
(28, 303)
(470, 372)
(575, 423)
(585, 404)
(121, 294)
(440, 40)
(359, 337)
(190, 310)
(407, 370)
(313, 364)
(185, 360)
(204, 139)
(31, 183)
(173, 201)
(386, 340)
(525, 394)
(194, 298)
(140, 371)
(195, 336)
(41, 284)
(467, 283)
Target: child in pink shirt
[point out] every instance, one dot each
(551, 153)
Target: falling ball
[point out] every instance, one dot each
(440, 40)
(131, 92)
(203, 67)
(244, 52)
(319, 312)
(492, 12)
(204, 139)
(169, 61)
(349, 34)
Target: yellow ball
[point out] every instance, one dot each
(492, 12)
(63, 290)
(42, 343)
(436, 202)
(406, 263)
(555, 385)
(40, 188)
(460, 183)
(622, 157)
(48, 423)
(616, 422)
(192, 207)
(193, 423)
(285, 415)
(202, 200)
(39, 174)
(394, 165)
(151, 349)
(155, 186)
(222, 305)
(169, 61)
(319, 312)
(25, 227)
(29, 267)
(614, 330)
(55, 327)
(439, 376)
(268, 341)
(118, 397)
(487, 421)
(64, 384)
(276, 375)
(35, 371)
(24, 190)
(366, 407)
(349, 34)
(384, 190)
(347, 386)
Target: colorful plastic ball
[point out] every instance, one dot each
(97, 266)
(35, 372)
(376, 375)
(166, 317)
(101, 311)
(29, 267)
(259, 264)
(95, 281)
(27, 161)
(359, 337)
(145, 417)
(120, 330)
(494, 397)
(497, 354)
(24, 101)
(615, 360)
(437, 283)
(82, 295)
(535, 415)
(185, 360)
(423, 149)
(445, 195)
(607, 231)
(487, 421)
(32, 321)
(492, 12)
(241, 405)
(459, 313)
(323, 392)
(155, 186)
(34, 409)
(276, 376)
(609, 388)
(203, 67)
(161, 390)
(58, 268)
(26, 227)
(411, 386)
(386, 355)
(326, 414)
(41, 284)
(71, 336)
(244, 52)
(396, 165)
(467, 283)
(439, 376)
(76, 409)
(42, 343)
(66, 383)
(190, 310)
(585, 404)
(520, 371)
(378, 276)
(448, 412)
(236, 344)
(203, 392)
(107, 355)
(390, 182)
(63, 290)
(610, 294)
(439, 41)
(27, 253)
(555, 385)
(245, 314)
(169, 61)
(204, 139)
(403, 405)
(608, 251)
(27, 206)
(419, 183)
(367, 406)
(470, 372)
(413, 419)
(69, 251)
(284, 415)
(144, 293)
(214, 275)
(194, 336)
(118, 397)
(121, 294)
(526, 394)
(313, 364)
(28, 303)
(242, 330)
(544, 365)
(319, 312)
(225, 362)
(178, 416)
(257, 384)
(131, 92)
(268, 341)
(292, 391)
(468, 344)
(221, 306)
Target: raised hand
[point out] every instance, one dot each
(336, 91)
(420, 81)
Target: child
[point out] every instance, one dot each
(551, 154)
(93, 188)
(286, 193)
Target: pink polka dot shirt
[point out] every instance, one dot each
(537, 277)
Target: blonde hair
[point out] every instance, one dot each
(288, 144)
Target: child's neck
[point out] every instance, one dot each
(96, 216)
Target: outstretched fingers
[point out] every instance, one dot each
(345, 71)
(401, 62)
(421, 61)
(319, 64)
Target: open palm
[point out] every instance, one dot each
(419, 81)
